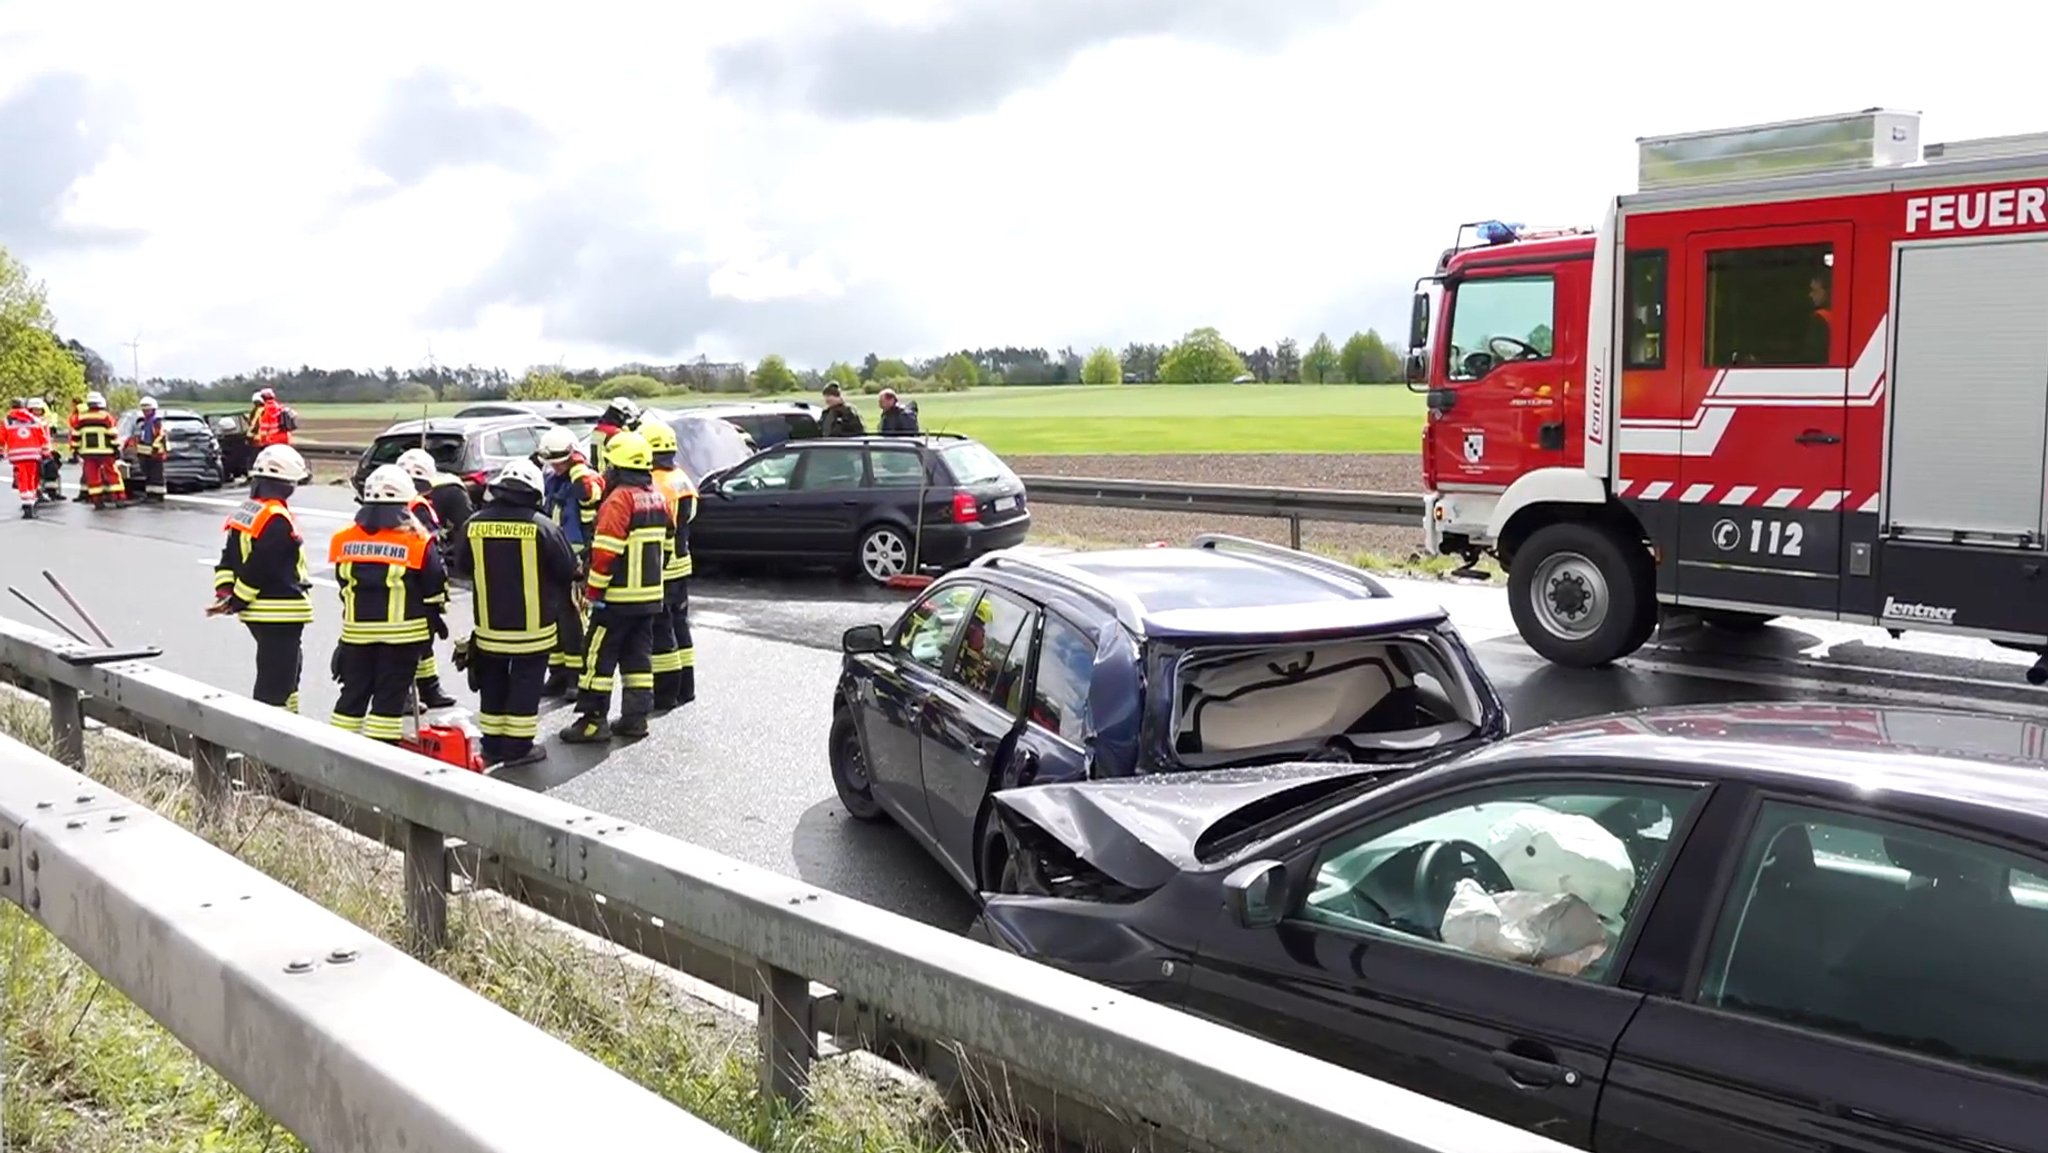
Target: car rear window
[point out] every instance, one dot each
(446, 449)
(972, 463)
(185, 427)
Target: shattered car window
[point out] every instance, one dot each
(1240, 703)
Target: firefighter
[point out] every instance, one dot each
(261, 577)
(152, 445)
(93, 439)
(53, 480)
(675, 657)
(571, 496)
(522, 570)
(628, 554)
(441, 496)
(27, 443)
(394, 590)
(420, 469)
(620, 414)
(269, 421)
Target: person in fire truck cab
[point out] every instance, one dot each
(1820, 326)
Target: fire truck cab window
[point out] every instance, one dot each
(1499, 319)
(1643, 309)
(1770, 307)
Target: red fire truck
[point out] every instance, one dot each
(1803, 371)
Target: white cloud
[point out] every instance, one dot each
(646, 181)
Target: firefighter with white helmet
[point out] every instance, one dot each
(94, 439)
(261, 576)
(572, 493)
(394, 590)
(521, 569)
(152, 448)
(621, 414)
(426, 505)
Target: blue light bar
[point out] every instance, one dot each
(1496, 232)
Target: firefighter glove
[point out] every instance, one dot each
(460, 655)
(334, 665)
(438, 625)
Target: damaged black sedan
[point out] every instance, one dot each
(1026, 670)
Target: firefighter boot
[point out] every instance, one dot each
(560, 683)
(533, 755)
(432, 696)
(586, 729)
(631, 727)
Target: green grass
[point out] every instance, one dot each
(88, 1072)
(1080, 420)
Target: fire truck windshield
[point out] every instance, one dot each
(1496, 319)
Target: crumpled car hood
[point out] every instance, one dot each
(1142, 830)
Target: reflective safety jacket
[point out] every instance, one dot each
(262, 569)
(27, 440)
(630, 551)
(571, 500)
(93, 435)
(149, 437)
(392, 581)
(681, 492)
(522, 568)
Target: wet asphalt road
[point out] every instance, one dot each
(743, 770)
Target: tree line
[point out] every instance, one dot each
(35, 360)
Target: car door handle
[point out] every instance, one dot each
(1816, 436)
(1533, 1072)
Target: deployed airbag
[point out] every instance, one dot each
(1277, 696)
(1554, 931)
(1546, 851)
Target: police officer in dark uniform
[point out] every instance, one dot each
(385, 624)
(522, 569)
(261, 577)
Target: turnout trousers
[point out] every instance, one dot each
(376, 688)
(153, 486)
(101, 480)
(566, 662)
(509, 688)
(280, 662)
(620, 646)
(675, 656)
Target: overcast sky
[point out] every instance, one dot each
(509, 184)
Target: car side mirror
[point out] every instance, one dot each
(862, 639)
(1253, 894)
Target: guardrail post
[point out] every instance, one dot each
(789, 1041)
(1294, 532)
(67, 725)
(426, 889)
(210, 777)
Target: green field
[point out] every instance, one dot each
(1080, 420)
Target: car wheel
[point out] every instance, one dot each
(884, 552)
(1577, 592)
(850, 770)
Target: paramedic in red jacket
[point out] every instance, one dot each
(266, 421)
(28, 441)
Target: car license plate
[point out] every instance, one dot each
(1005, 504)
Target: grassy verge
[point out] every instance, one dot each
(1414, 566)
(88, 1072)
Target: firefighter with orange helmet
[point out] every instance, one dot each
(27, 443)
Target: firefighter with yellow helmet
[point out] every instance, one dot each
(675, 656)
(624, 588)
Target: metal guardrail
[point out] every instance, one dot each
(1295, 505)
(1139, 1070)
(317, 1021)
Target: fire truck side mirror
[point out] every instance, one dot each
(1418, 321)
(1417, 367)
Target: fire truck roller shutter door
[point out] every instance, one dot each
(1969, 427)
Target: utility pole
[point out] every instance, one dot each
(135, 359)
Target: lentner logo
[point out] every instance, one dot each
(1895, 609)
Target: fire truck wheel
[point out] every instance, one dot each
(1578, 595)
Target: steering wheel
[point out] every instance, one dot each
(1442, 865)
(1516, 349)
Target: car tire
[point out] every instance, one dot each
(884, 551)
(850, 770)
(1578, 593)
